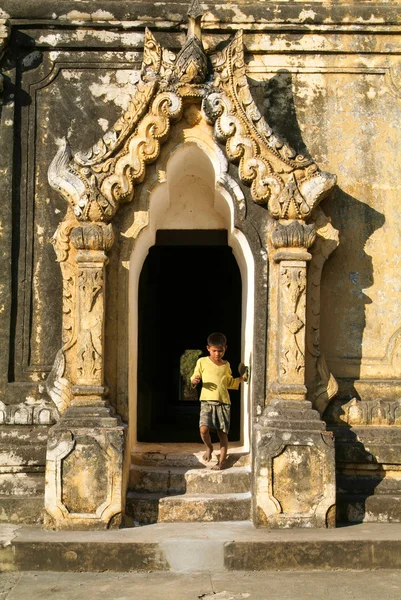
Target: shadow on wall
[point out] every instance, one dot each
(349, 271)
(346, 276)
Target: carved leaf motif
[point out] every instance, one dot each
(61, 239)
(89, 360)
(152, 57)
(90, 284)
(58, 387)
(327, 388)
(4, 36)
(191, 62)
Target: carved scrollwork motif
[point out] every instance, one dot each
(290, 184)
(61, 239)
(116, 137)
(58, 386)
(143, 147)
(158, 62)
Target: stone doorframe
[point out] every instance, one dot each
(293, 454)
(200, 154)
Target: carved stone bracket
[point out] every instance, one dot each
(320, 381)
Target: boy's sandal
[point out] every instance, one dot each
(243, 370)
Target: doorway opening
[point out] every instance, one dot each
(190, 285)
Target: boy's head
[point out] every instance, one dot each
(217, 339)
(216, 346)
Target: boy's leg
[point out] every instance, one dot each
(223, 437)
(205, 435)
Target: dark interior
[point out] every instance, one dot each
(190, 286)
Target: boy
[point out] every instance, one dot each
(216, 377)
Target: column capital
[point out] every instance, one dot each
(292, 238)
(92, 236)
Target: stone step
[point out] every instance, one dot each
(179, 480)
(158, 508)
(193, 547)
(193, 460)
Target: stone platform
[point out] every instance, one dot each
(185, 547)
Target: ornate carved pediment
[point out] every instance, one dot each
(290, 184)
(95, 182)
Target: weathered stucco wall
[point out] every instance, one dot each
(327, 77)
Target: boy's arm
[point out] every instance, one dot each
(196, 375)
(233, 383)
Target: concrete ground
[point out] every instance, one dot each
(236, 585)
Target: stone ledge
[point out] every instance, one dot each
(174, 13)
(183, 547)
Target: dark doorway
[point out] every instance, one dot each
(190, 286)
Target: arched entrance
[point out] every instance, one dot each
(181, 121)
(191, 273)
(190, 285)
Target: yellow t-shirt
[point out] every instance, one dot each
(216, 380)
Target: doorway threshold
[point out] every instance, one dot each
(185, 454)
(184, 448)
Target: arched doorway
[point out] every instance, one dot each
(190, 285)
(191, 203)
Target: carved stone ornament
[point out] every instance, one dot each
(95, 182)
(293, 235)
(4, 37)
(4, 33)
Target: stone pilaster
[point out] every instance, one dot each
(85, 448)
(295, 468)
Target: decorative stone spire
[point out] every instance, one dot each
(195, 14)
(191, 63)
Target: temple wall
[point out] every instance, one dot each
(327, 78)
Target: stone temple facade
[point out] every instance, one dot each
(170, 169)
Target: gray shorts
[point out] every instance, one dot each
(215, 415)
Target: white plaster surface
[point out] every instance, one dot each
(195, 193)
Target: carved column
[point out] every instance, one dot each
(295, 479)
(85, 448)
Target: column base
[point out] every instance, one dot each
(294, 469)
(84, 463)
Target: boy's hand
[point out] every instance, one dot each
(195, 380)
